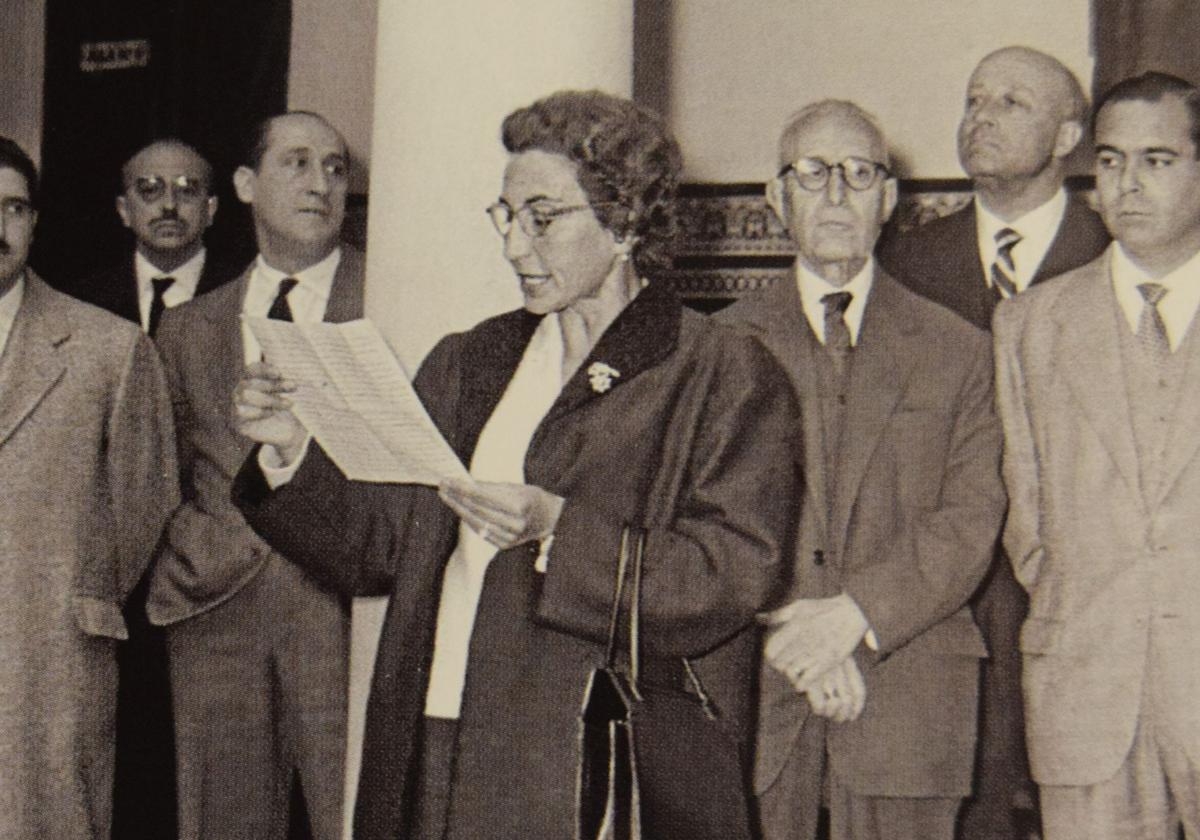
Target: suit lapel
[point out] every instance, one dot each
(228, 349)
(967, 263)
(1080, 238)
(1090, 362)
(126, 293)
(883, 359)
(346, 293)
(787, 333)
(30, 364)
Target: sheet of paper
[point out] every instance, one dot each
(356, 400)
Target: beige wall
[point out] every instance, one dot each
(333, 70)
(738, 69)
(22, 45)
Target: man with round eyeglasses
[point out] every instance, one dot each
(166, 203)
(871, 659)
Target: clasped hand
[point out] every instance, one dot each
(504, 514)
(811, 641)
(262, 410)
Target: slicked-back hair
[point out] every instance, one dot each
(260, 136)
(1153, 86)
(13, 157)
(626, 162)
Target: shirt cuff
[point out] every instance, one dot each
(274, 470)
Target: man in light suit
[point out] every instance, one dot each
(901, 509)
(167, 203)
(1098, 386)
(1024, 117)
(87, 463)
(258, 651)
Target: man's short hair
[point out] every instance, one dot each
(814, 111)
(1152, 87)
(174, 142)
(13, 157)
(260, 136)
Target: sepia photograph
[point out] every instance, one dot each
(599, 420)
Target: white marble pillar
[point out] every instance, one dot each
(447, 72)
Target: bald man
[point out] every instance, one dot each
(1024, 115)
(166, 203)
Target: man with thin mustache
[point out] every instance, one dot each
(167, 204)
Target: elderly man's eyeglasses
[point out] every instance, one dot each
(813, 173)
(16, 209)
(534, 220)
(184, 188)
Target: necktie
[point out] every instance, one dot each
(837, 334)
(280, 311)
(157, 305)
(1003, 268)
(1152, 332)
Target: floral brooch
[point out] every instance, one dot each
(601, 376)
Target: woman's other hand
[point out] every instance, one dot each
(504, 514)
(262, 411)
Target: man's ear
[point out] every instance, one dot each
(1068, 137)
(776, 199)
(123, 210)
(211, 205)
(243, 184)
(891, 196)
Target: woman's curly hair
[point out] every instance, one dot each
(627, 162)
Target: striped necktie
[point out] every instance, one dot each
(1003, 269)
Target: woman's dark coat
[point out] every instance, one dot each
(695, 440)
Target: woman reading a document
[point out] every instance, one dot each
(601, 405)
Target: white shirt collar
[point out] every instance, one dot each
(10, 303)
(1177, 308)
(307, 300)
(813, 287)
(1037, 228)
(187, 280)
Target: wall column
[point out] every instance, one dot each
(446, 75)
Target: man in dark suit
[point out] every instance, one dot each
(259, 653)
(871, 665)
(1024, 116)
(166, 202)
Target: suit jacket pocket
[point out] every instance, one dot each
(98, 617)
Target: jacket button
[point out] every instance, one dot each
(819, 557)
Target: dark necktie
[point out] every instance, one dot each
(1152, 332)
(837, 334)
(280, 311)
(157, 305)
(1003, 269)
